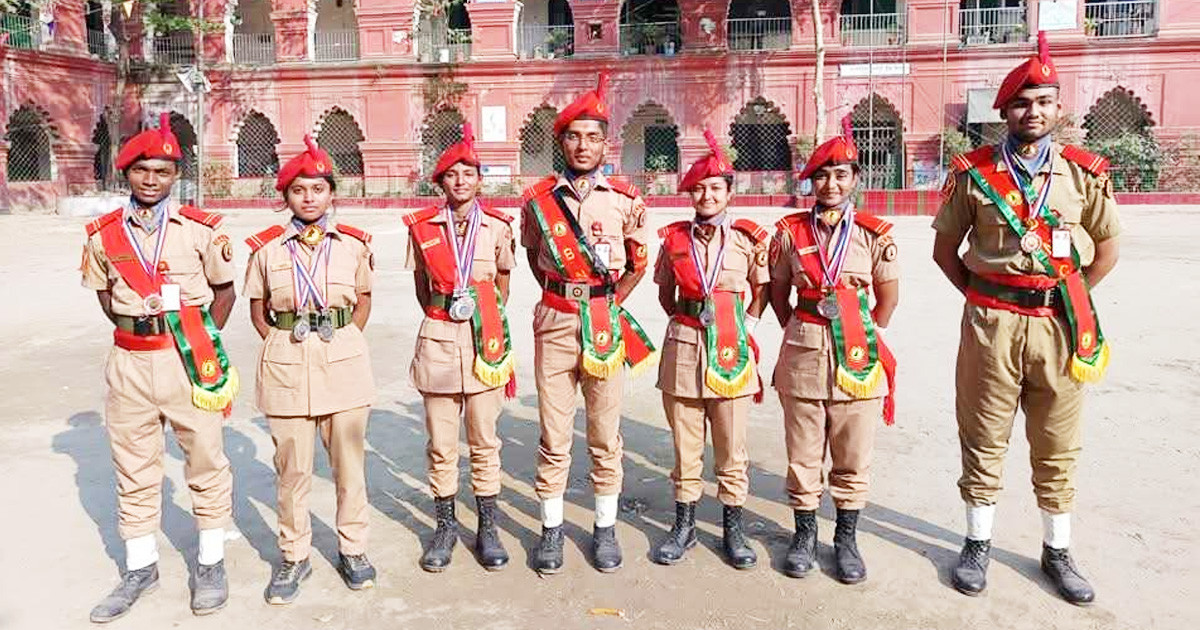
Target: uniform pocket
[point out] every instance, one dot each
(805, 335)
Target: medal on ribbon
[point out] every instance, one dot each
(833, 257)
(308, 297)
(708, 279)
(462, 303)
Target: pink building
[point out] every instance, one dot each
(384, 86)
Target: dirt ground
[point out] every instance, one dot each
(1135, 528)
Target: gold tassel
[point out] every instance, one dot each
(604, 368)
(494, 376)
(646, 363)
(220, 399)
(857, 388)
(731, 388)
(1083, 372)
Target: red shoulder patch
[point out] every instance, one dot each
(666, 230)
(95, 225)
(211, 219)
(624, 187)
(1092, 163)
(257, 241)
(756, 231)
(544, 185)
(423, 214)
(492, 212)
(783, 223)
(350, 230)
(872, 223)
(979, 157)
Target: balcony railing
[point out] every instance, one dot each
(650, 38)
(875, 29)
(97, 42)
(335, 45)
(1130, 18)
(760, 33)
(979, 27)
(254, 49)
(444, 45)
(21, 31)
(543, 41)
(175, 49)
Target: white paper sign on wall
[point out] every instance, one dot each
(494, 123)
(1058, 15)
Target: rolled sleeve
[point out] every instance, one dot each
(218, 258)
(1099, 217)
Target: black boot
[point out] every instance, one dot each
(133, 585)
(210, 588)
(488, 548)
(1058, 566)
(437, 556)
(681, 538)
(801, 556)
(606, 551)
(850, 567)
(285, 582)
(970, 574)
(737, 549)
(548, 558)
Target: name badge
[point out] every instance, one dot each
(1060, 243)
(604, 253)
(172, 300)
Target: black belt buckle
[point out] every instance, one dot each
(145, 326)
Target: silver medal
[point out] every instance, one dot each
(301, 328)
(462, 308)
(707, 317)
(325, 327)
(828, 307)
(1031, 243)
(153, 304)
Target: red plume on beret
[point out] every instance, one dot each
(312, 162)
(836, 150)
(1036, 71)
(462, 151)
(151, 144)
(589, 106)
(715, 164)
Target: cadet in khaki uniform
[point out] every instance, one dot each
(1041, 228)
(585, 237)
(309, 284)
(833, 363)
(164, 276)
(705, 270)
(461, 255)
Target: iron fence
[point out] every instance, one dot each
(21, 31)
(443, 45)
(876, 29)
(175, 49)
(97, 43)
(1130, 18)
(254, 49)
(650, 38)
(760, 33)
(335, 45)
(996, 25)
(545, 41)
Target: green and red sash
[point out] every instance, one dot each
(1090, 354)
(214, 382)
(494, 360)
(609, 335)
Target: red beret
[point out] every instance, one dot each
(715, 164)
(838, 150)
(589, 106)
(313, 162)
(463, 151)
(151, 144)
(1037, 71)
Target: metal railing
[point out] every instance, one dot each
(875, 29)
(254, 49)
(175, 49)
(443, 45)
(1129, 18)
(335, 45)
(650, 38)
(759, 33)
(21, 31)
(978, 27)
(545, 41)
(97, 42)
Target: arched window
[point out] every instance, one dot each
(444, 37)
(256, 154)
(540, 153)
(650, 27)
(1118, 127)
(1117, 113)
(339, 136)
(760, 25)
(878, 135)
(335, 34)
(649, 148)
(547, 29)
(442, 129)
(102, 161)
(29, 150)
(760, 136)
(186, 135)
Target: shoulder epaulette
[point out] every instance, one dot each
(624, 187)
(544, 185)
(350, 230)
(872, 223)
(492, 212)
(1092, 163)
(423, 214)
(95, 226)
(666, 230)
(257, 241)
(211, 219)
(966, 161)
(756, 231)
(783, 223)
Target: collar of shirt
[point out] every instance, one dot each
(151, 224)
(596, 179)
(1034, 163)
(1054, 162)
(293, 231)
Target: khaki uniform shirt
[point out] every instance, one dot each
(1080, 199)
(312, 377)
(445, 355)
(806, 363)
(684, 353)
(198, 257)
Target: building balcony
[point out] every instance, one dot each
(872, 30)
(980, 27)
(450, 45)
(97, 43)
(543, 41)
(760, 33)
(21, 31)
(650, 38)
(175, 49)
(1127, 18)
(254, 49)
(331, 46)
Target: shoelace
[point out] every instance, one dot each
(358, 562)
(286, 572)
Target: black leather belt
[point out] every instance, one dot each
(577, 290)
(809, 307)
(1024, 298)
(143, 326)
(691, 308)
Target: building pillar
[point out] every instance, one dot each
(70, 36)
(384, 29)
(493, 30)
(597, 26)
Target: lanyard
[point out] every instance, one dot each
(833, 259)
(150, 266)
(464, 256)
(1038, 199)
(304, 283)
(708, 279)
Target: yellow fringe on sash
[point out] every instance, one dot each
(220, 399)
(494, 376)
(1083, 372)
(731, 388)
(860, 388)
(604, 368)
(641, 366)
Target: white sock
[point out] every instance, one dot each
(212, 546)
(141, 552)
(552, 512)
(1056, 530)
(979, 521)
(606, 509)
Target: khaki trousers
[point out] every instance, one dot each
(146, 389)
(1005, 360)
(344, 435)
(727, 417)
(847, 429)
(443, 415)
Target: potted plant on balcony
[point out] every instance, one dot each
(650, 36)
(1089, 26)
(557, 42)
(459, 40)
(1018, 33)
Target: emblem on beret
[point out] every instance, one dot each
(208, 369)
(1045, 70)
(850, 153)
(319, 167)
(167, 148)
